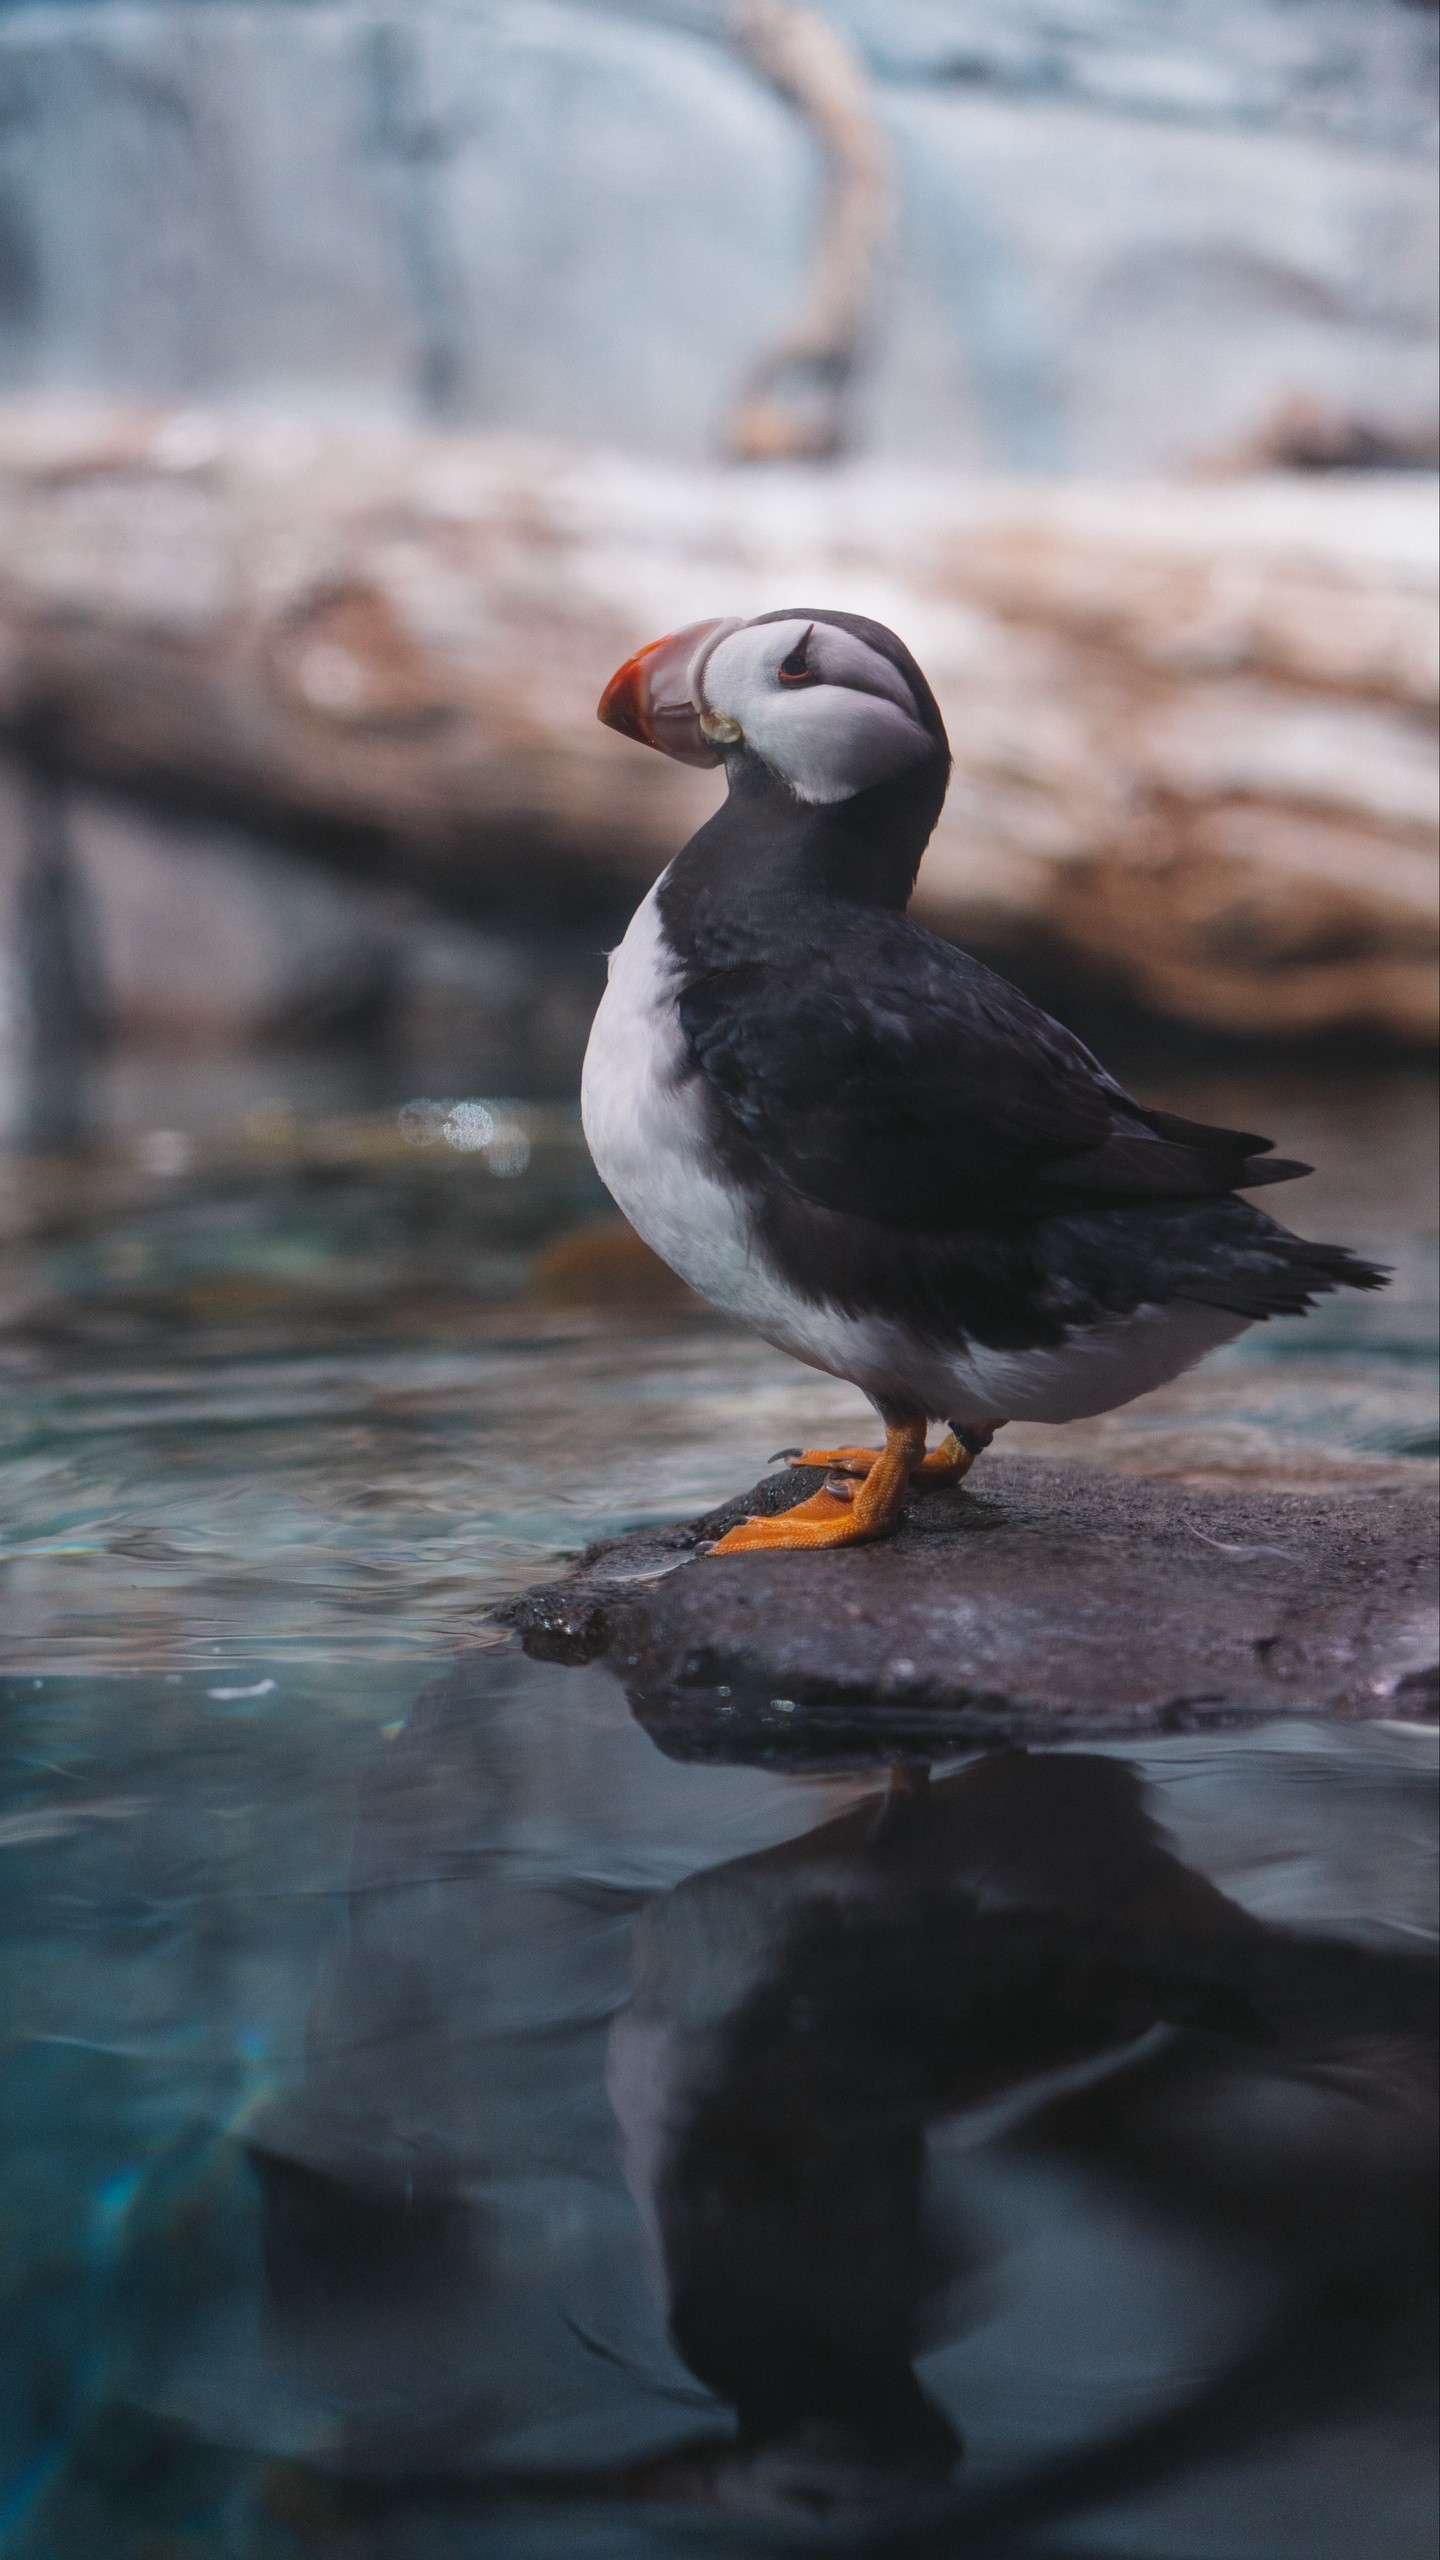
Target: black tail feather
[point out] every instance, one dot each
(1283, 1275)
(1205, 1135)
(1255, 1172)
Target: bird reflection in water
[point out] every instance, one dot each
(1014, 1948)
(822, 2046)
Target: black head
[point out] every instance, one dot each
(811, 710)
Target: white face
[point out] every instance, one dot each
(827, 714)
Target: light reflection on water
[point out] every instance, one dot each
(441, 2124)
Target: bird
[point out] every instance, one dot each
(860, 1140)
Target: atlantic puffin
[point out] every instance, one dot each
(861, 1141)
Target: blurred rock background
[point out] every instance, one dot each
(372, 380)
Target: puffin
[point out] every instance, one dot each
(858, 1139)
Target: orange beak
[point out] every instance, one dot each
(652, 697)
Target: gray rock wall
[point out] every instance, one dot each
(1131, 231)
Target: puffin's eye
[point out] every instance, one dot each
(796, 669)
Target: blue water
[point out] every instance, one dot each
(438, 2123)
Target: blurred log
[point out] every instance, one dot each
(1193, 725)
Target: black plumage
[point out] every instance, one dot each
(916, 1139)
(861, 1141)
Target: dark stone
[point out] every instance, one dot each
(1049, 1603)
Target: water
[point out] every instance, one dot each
(440, 2124)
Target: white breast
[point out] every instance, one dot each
(644, 1128)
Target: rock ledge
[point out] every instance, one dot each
(1050, 1603)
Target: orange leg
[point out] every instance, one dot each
(828, 1519)
(944, 1466)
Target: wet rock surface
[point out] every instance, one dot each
(1048, 1603)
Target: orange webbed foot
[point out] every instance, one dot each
(952, 1461)
(847, 1514)
(826, 1520)
(836, 1519)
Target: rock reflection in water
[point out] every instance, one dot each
(976, 2078)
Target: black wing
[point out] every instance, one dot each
(891, 1076)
